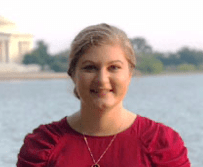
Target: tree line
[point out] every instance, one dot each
(148, 60)
(41, 57)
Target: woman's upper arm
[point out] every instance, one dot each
(37, 148)
(164, 146)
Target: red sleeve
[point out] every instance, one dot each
(38, 146)
(163, 145)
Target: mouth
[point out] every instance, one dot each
(101, 91)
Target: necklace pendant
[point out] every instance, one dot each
(95, 165)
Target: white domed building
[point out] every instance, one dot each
(13, 43)
(13, 46)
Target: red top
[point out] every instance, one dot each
(145, 144)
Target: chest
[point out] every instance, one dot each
(123, 152)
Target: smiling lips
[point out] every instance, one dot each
(101, 92)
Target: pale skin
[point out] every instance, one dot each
(102, 77)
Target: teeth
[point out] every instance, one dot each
(101, 91)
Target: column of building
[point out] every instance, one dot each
(4, 53)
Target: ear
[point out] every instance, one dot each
(131, 72)
(73, 79)
(130, 77)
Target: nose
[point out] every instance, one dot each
(102, 77)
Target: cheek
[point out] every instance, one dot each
(122, 83)
(83, 80)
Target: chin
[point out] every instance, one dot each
(104, 105)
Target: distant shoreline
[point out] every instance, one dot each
(52, 75)
(174, 73)
(32, 76)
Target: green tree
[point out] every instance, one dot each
(186, 67)
(200, 67)
(59, 67)
(59, 61)
(190, 56)
(30, 59)
(149, 64)
(140, 45)
(173, 59)
(42, 54)
(38, 56)
(168, 59)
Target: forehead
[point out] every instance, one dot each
(103, 54)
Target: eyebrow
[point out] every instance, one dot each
(89, 61)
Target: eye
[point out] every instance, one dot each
(90, 68)
(114, 67)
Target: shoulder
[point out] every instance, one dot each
(39, 145)
(164, 145)
(147, 127)
(151, 132)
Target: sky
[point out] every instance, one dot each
(167, 25)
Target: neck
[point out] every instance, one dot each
(101, 122)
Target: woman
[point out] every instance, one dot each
(102, 132)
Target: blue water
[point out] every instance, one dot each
(175, 100)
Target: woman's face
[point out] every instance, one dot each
(102, 77)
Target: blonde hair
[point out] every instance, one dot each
(97, 35)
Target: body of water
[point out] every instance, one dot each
(175, 100)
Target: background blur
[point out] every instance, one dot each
(167, 36)
(168, 33)
(167, 25)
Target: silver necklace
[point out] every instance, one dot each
(96, 162)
